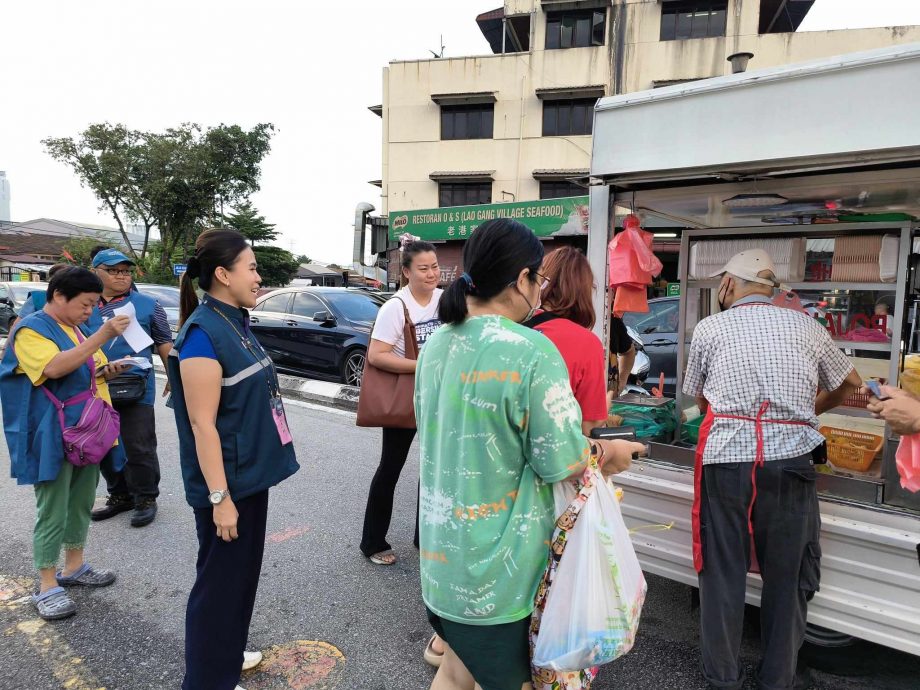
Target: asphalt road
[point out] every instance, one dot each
(329, 619)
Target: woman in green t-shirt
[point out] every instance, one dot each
(497, 425)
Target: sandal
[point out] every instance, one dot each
(86, 576)
(433, 658)
(387, 557)
(54, 604)
(251, 660)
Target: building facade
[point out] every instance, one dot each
(514, 127)
(5, 216)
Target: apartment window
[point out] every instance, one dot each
(467, 121)
(693, 19)
(575, 29)
(464, 193)
(557, 189)
(561, 118)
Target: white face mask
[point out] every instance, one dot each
(533, 308)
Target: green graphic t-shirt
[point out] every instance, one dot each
(497, 423)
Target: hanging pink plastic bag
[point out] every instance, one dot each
(907, 460)
(630, 299)
(630, 255)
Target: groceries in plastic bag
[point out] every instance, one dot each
(907, 460)
(649, 422)
(592, 607)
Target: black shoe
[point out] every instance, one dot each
(803, 678)
(144, 512)
(114, 505)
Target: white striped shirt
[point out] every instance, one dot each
(757, 352)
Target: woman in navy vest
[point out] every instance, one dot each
(51, 350)
(234, 444)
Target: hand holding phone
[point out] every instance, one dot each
(876, 389)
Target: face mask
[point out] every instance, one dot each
(533, 308)
(721, 299)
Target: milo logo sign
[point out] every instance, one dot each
(400, 222)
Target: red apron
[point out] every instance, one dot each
(759, 459)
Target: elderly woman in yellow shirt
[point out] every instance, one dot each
(49, 350)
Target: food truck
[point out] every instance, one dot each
(820, 164)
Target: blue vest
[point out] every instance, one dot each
(144, 306)
(34, 302)
(254, 458)
(33, 432)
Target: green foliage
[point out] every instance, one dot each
(304, 259)
(251, 225)
(277, 266)
(80, 247)
(176, 181)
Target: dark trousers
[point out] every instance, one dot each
(220, 605)
(140, 476)
(379, 511)
(787, 525)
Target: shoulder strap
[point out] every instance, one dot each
(410, 339)
(541, 319)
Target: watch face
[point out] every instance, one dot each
(215, 497)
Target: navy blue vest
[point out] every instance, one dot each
(254, 458)
(144, 307)
(30, 422)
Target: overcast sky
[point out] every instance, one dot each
(312, 72)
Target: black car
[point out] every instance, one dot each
(658, 331)
(12, 297)
(320, 332)
(168, 297)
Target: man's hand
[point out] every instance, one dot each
(901, 410)
(225, 518)
(115, 326)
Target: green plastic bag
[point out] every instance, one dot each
(649, 422)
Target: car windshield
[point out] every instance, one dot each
(165, 295)
(356, 307)
(21, 292)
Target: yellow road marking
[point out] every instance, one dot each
(66, 666)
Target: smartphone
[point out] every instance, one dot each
(876, 389)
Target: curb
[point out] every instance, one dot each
(336, 395)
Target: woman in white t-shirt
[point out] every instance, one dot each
(388, 351)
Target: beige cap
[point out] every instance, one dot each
(747, 264)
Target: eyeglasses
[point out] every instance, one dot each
(119, 271)
(545, 283)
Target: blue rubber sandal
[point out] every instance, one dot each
(54, 604)
(86, 576)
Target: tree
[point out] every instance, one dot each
(251, 225)
(304, 259)
(177, 181)
(277, 266)
(104, 157)
(77, 250)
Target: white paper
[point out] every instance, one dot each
(134, 335)
(138, 362)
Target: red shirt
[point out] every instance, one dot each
(587, 363)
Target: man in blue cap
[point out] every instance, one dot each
(133, 393)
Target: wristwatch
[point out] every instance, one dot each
(215, 497)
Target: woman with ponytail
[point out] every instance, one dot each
(234, 444)
(497, 424)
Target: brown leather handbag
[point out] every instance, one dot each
(388, 399)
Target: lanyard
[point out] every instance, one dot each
(259, 355)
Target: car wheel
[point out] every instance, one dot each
(353, 367)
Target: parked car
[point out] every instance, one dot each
(658, 331)
(320, 332)
(12, 296)
(168, 297)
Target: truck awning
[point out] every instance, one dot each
(840, 113)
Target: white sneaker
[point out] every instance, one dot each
(239, 687)
(250, 661)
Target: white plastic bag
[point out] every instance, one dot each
(595, 600)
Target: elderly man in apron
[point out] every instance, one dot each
(761, 373)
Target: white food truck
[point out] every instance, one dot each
(822, 161)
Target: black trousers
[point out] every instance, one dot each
(221, 601)
(379, 511)
(787, 525)
(140, 476)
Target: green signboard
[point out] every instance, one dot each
(549, 217)
(673, 289)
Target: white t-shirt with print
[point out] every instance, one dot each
(391, 320)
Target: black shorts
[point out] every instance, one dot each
(497, 656)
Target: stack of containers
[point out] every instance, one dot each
(708, 257)
(857, 259)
